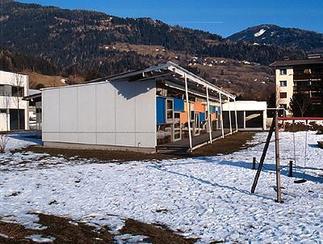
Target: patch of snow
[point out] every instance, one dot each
(127, 238)
(204, 197)
(4, 236)
(40, 238)
(260, 32)
(22, 140)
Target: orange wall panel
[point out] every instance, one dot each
(183, 118)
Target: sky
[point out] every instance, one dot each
(223, 17)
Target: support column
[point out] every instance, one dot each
(188, 113)
(208, 113)
(230, 121)
(221, 116)
(244, 120)
(236, 115)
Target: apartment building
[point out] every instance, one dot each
(13, 109)
(303, 77)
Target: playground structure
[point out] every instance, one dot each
(275, 129)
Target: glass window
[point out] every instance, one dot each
(283, 95)
(17, 91)
(283, 83)
(283, 71)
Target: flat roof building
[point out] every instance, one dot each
(303, 81)
(13, 109)
(163, 106)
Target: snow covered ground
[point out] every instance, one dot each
(207, 197)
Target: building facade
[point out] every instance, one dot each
(13, 109)
(302, 82)
(140, 110)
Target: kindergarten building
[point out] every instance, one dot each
(158, 108)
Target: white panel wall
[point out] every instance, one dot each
(114, 114)
(10, 102)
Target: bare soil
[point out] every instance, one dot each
(227, 145)
(65, 230)
(104, 155)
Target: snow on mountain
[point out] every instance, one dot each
(260, 33)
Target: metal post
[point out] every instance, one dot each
(188, 113)
(221, 116)
(230, 122)
(277, 156)
(236, 115)
(208, 113)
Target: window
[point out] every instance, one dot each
(17, 91)
(283, 95)
(283, 71)
(169, 110)
(283, 83)
(3, 111)
(284, 106)
(307, 71)
(4, 90)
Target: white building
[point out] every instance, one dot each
(302, 77)
(140, 110)
(251, 115)
(13, 109)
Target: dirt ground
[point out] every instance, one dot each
(67, 231)
(227, 145)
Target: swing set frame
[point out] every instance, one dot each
(275, 128)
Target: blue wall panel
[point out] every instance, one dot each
(161, 110)
(178, 105)
(202, 117)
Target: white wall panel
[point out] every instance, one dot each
(105, 104)
(50, 110)
(125, 106)
(106, 138)
(68, 110)
(116, 114)
(126, 139)
(86, 108)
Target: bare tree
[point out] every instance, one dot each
(300, 104)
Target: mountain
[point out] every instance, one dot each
(87, 44)
(281, 37)
(76, 40)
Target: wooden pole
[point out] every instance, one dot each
(188, 113)
(221, 116)
(263, 156)
(277, 156)
(209, 115)
(230, 119)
